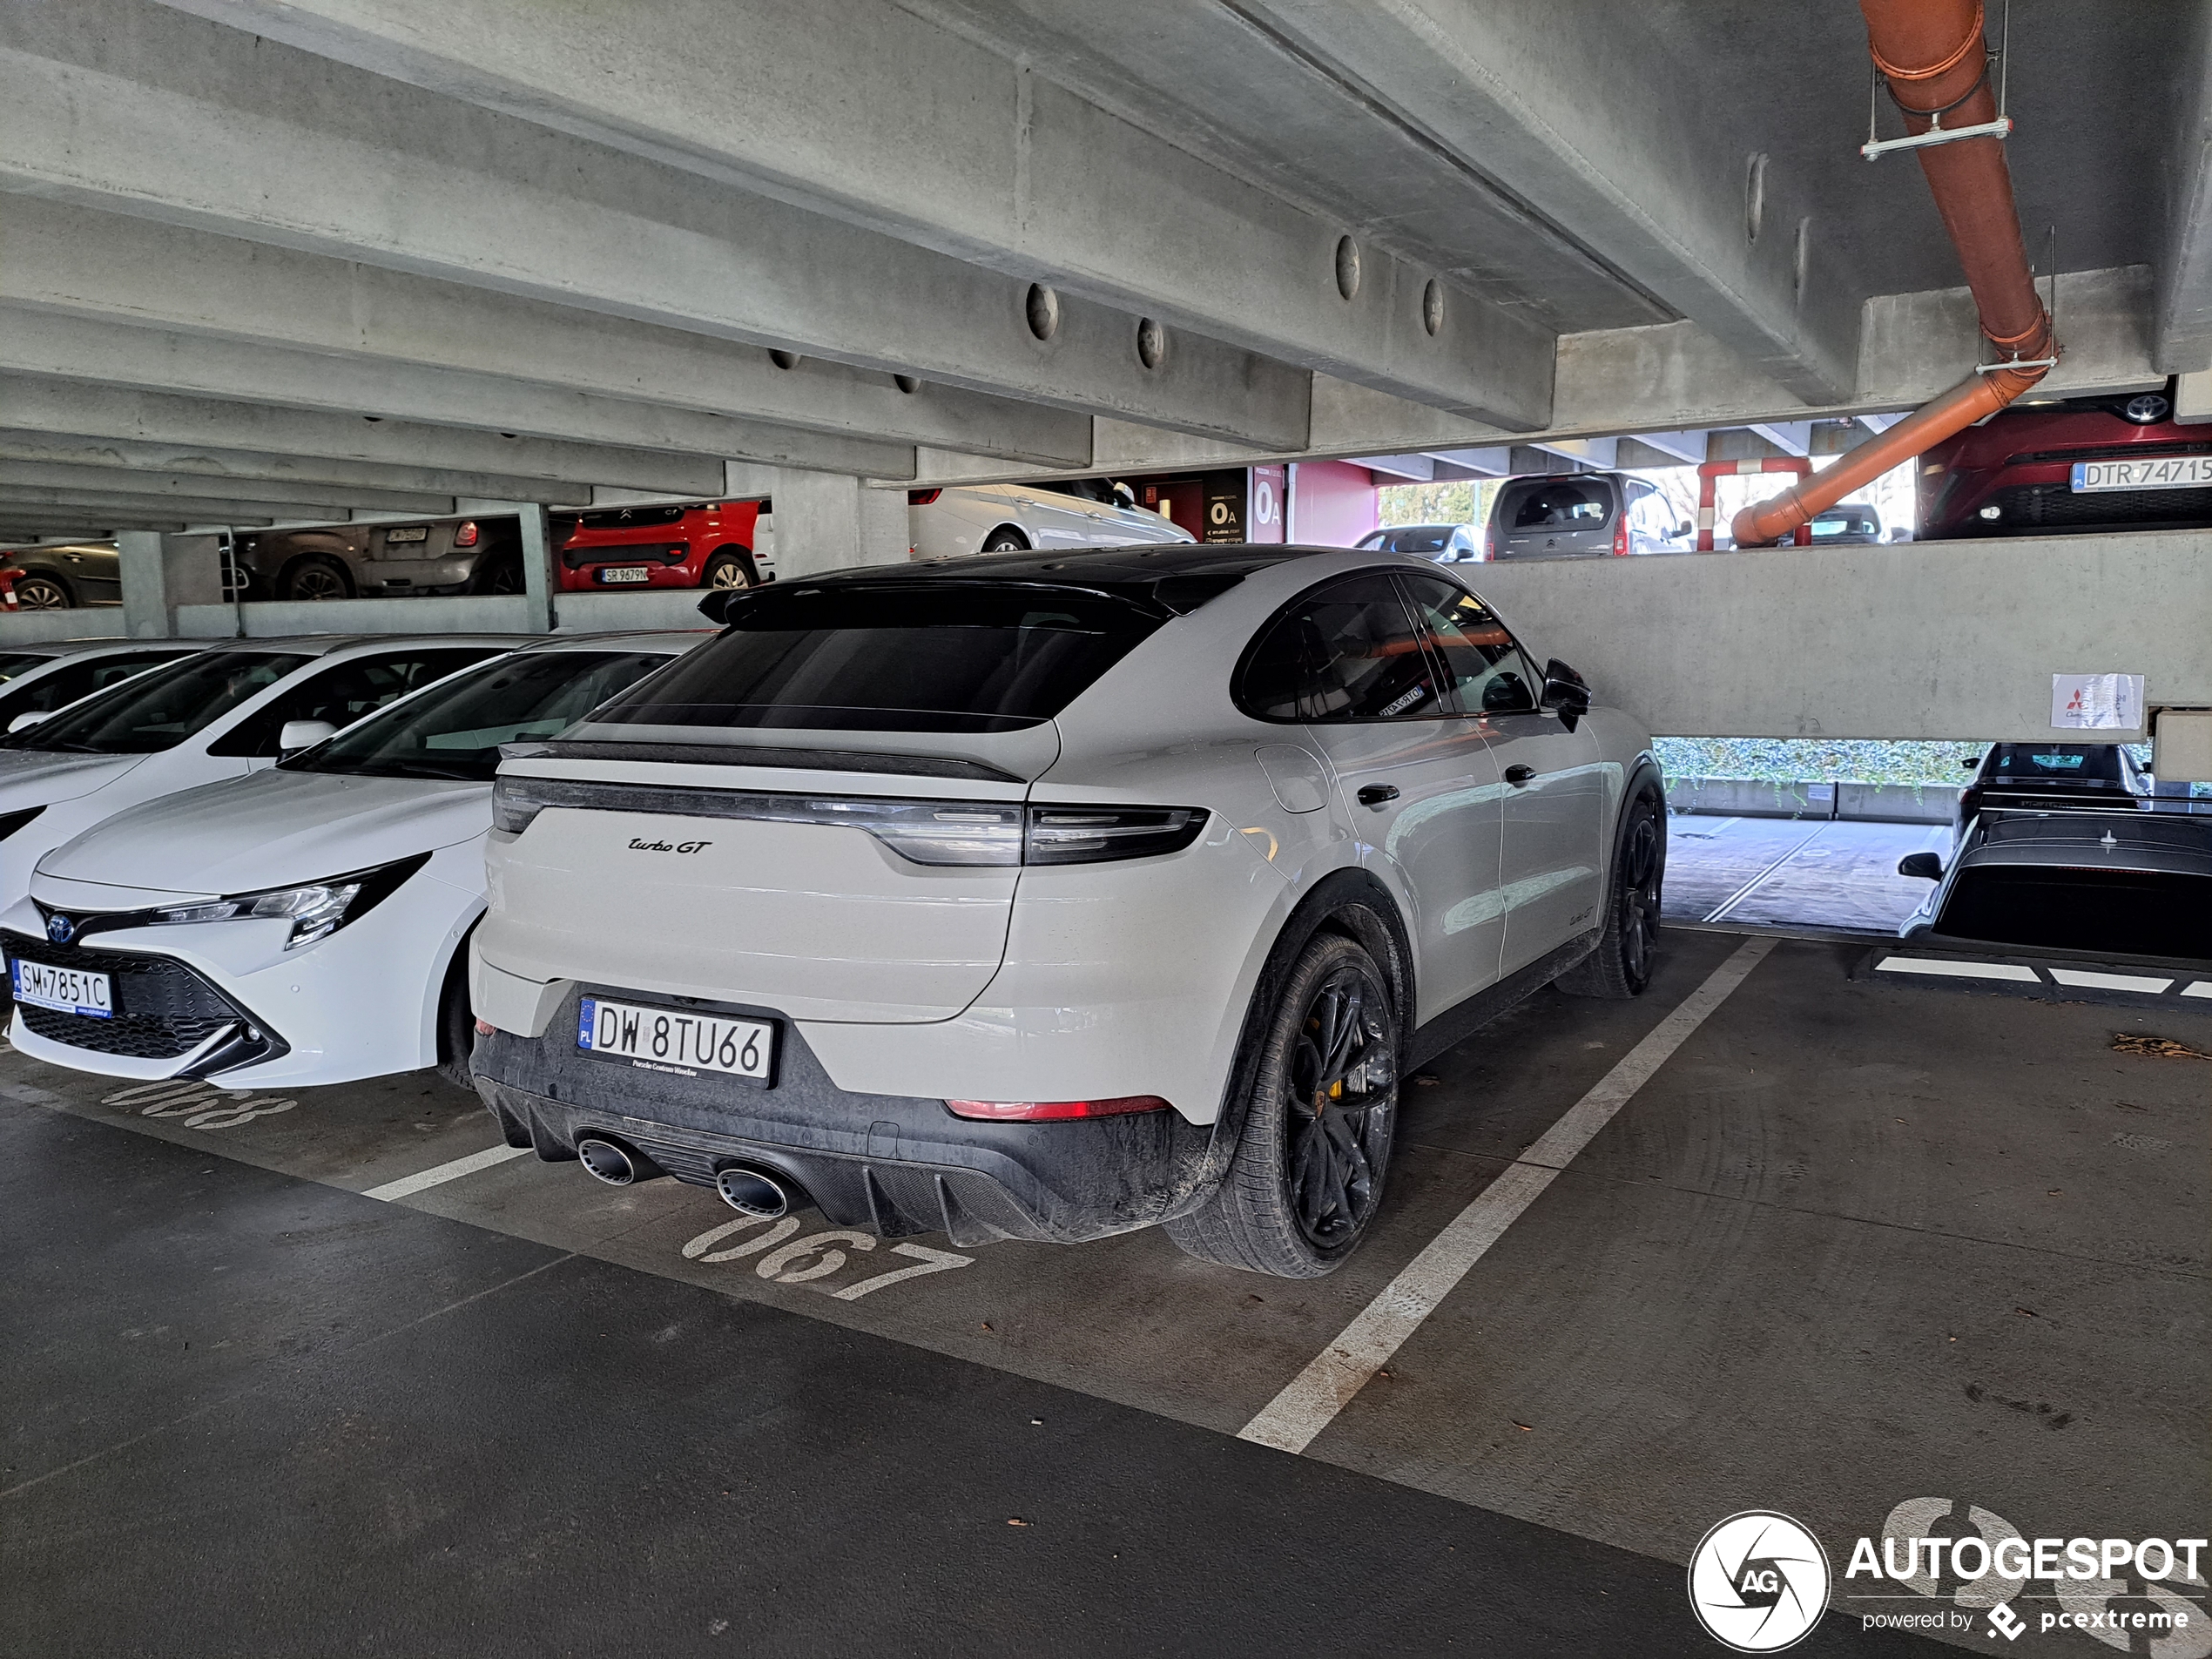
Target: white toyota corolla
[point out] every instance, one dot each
(300, 925)
(1049, 896)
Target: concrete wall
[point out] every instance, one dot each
(1930, 640)
(35, 627)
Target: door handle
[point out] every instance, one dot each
(1376, 794)
(1519, 777)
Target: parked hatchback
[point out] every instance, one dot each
(1446, 543)
(431, 556)
(682, 544)
(1584, 516)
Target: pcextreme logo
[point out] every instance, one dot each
(1758, 1582)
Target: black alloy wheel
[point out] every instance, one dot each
(1340, 1126)
(1627, 949)
(502, 574)
(1320, 1116)
(317, 578)
(42, 592)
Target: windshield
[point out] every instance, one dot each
(454, 730)
(161, 708)
(936, 656)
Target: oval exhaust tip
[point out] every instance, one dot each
(751, 1193)
(605, 1160)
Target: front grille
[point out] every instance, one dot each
(163, 1010)
(643, 553)
(2110, 452)
(2052, 506)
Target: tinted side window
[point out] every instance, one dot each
(345, 692)
(1347, 651)
(64, 685)
(1487, 672)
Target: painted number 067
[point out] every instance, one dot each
(785, 1259)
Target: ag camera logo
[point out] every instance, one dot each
(1758, 1582)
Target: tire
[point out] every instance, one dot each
(1306, 1178)
(1006, 539)
(1621, 966)
(39, 591)
(456, 1022)
(729, 567)
(316, 577)
(501, 573)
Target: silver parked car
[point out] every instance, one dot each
(1446, 543)
(1584, 516)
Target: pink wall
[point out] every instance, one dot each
(1332, 503)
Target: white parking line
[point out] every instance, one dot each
(1314, 1396)
(408, 1185)
(2202, 988)
(1938, 966)
(2088, 980)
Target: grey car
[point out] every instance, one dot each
(62, 576)
(1584, 516)
(430, 556)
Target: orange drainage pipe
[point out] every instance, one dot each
(1932, 53)
(1711, 472)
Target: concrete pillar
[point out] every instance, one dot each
(161, 572)
(539, 583)
(826, 521)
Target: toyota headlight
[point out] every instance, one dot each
(317, 909)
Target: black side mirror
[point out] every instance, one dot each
(716, 606)
(1566, 693)
(1685, 530)
(1924, 866)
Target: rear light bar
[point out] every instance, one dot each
(1621, 539)
(922, 497)
(1039, 1111)
(972, 833)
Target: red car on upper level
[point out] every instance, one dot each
(2120, 462)
(697, 544)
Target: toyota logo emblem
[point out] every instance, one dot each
(2146, 410)
(60, 930)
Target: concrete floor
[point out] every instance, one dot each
(1793, 872)
(1852, 1243)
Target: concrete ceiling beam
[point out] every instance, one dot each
(189, 509)
(110, 267)
(210, 127)
(47, 403)
(42, 342)
(863, 112)
(124, 485)
(1569, 113)
(243, 472)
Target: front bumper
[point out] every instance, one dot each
(892, 1164)
(170, 1020)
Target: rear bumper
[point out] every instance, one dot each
(892, 1165)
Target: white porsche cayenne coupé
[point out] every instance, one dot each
(301, 924)
(1048, 896)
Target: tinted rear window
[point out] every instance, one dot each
(1832, 524)
(930, 656)
(2121, 912)
(2081, 763)
(1556, 504)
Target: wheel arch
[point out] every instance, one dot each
(1008, 527)
(319, 556)
(453, 957)
(1351, 901)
